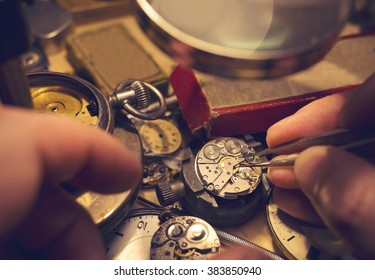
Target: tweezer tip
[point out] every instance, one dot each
(263, 152)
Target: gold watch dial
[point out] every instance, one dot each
(62, 101)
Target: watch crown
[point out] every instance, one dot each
(170, 192)
(142, 95)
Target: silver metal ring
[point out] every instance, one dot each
(127, 108)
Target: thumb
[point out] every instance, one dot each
(340, 186)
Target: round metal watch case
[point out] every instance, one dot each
(227, 198)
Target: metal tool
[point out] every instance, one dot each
(49, 24)
(347, 139)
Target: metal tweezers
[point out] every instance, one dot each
(347, 139)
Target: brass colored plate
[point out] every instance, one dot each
(61, 101)
(160, 137)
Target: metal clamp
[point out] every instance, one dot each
(132, 95)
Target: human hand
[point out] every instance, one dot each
(37, 152)
(328, 185)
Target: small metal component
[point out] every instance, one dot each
(132, 92)
(233, 146)
(184, 238)
(175, 231)
(220, 142)
(31, 58)
(131, 96)
(218, 165)
(155, 172)
(93, 108)
(197, 233)
(211, 151)
(165, 215)
(35, 60)
(170, 192)
(49, 24)
(142, 96)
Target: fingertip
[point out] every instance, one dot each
(87, 157)
(283, 177)
(316, 117)
(111, 168)
(276, 131)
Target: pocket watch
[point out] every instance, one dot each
(65, 95)
(214, 186)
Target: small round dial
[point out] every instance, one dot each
(160, 136)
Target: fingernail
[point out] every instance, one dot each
(281, 122)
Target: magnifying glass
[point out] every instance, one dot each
(244, 38)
